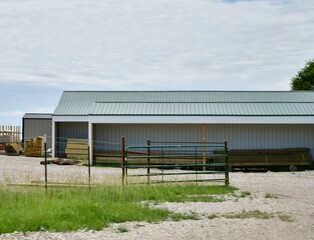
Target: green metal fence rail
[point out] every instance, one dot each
(174, 163)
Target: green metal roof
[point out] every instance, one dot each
(242, 109)
(249, 103)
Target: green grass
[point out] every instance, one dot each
(254, 214)
(213, 216)
(242, 194)
(250, 214)
(122, 229)
(269, 195)
(62, 209)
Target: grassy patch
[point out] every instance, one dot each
(122, 229)
(63, 209)
(254, 214)
(250, 214)
(204, 198)
(285, 217)
(245, 194)
(269, 195)
(213, 216)
(241, 194)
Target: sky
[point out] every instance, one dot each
(47, 47)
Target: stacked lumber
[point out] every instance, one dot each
(111, 157)
(35, 147)
(2, 147)
(270, 157)
(77, 148)
(13, 148)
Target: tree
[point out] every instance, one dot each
(304, 80)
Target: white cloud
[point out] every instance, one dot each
(156, 44)
(49, 46)
(12, 113)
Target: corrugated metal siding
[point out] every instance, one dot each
(109, 135)
(238, 136)
(65, 130)
(37, 127)
(263, 136)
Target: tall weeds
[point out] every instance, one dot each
(61, 209)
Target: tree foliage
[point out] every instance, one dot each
(304, 80)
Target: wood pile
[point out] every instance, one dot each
(77, 148)
(111, 157)
(35, 147)
(270, 157)
(259, 158)
(13, 148)
(61, 162)
(2, 147)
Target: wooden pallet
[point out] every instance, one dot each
(13, 148)
(35, 147)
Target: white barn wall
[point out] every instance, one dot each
(239, 136)
(138, 134)
(263, 136)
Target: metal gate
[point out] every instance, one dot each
(171, 162)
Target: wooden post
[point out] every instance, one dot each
(10, 134)
(1, 132)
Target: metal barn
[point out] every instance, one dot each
(246, 119)
(37, 124)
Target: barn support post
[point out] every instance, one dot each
(90, 143)
(53, 138)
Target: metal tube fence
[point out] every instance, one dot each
(175, 163)
(39, 168)
(150, 163)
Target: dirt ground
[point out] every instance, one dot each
(288, 197)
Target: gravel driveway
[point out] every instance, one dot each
(288, 194)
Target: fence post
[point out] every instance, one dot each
(88, 159)
(148, 160)
(226, 156)
(123, 159)
(204, 146)
(45, 148)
